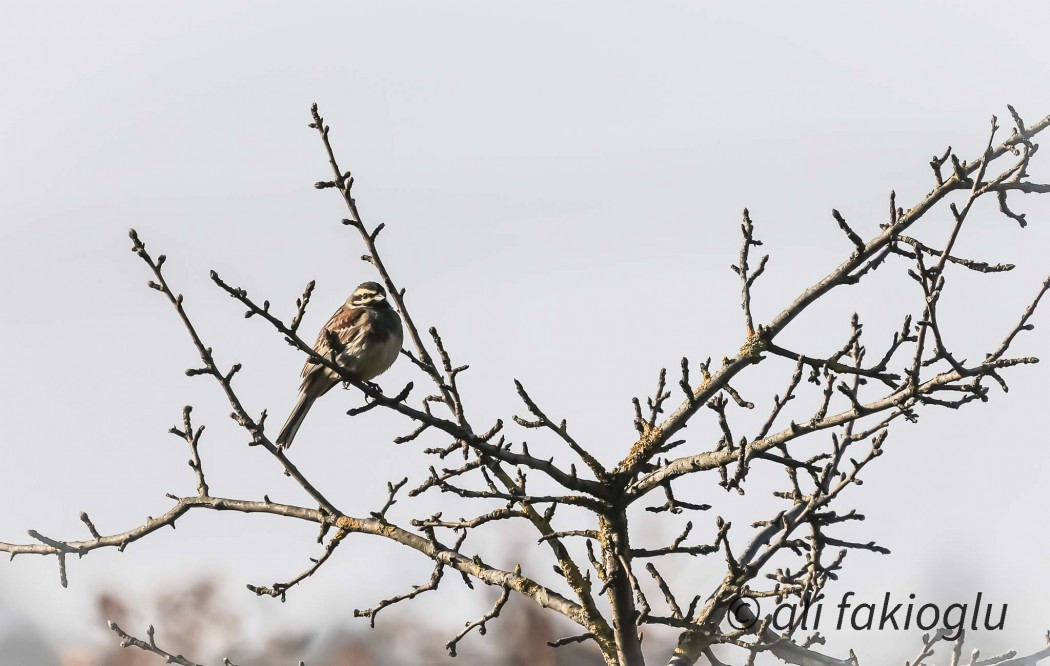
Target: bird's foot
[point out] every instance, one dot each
(375, 387)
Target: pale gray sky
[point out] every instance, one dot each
(562, 186)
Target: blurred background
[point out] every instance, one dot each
(562, 187)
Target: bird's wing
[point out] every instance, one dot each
(347, 324)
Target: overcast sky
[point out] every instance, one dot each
(562, 187)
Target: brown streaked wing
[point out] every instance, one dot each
(346, 324)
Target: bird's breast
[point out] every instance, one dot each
(373, 352)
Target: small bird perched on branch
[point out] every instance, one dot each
(363, 337)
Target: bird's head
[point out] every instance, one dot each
(368, 294)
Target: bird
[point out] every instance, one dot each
(368, 334)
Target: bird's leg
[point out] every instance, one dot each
(372, 385)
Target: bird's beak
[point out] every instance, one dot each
(380, 297)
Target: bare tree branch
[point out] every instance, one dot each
(846, 407)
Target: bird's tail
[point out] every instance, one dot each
(295, 419)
